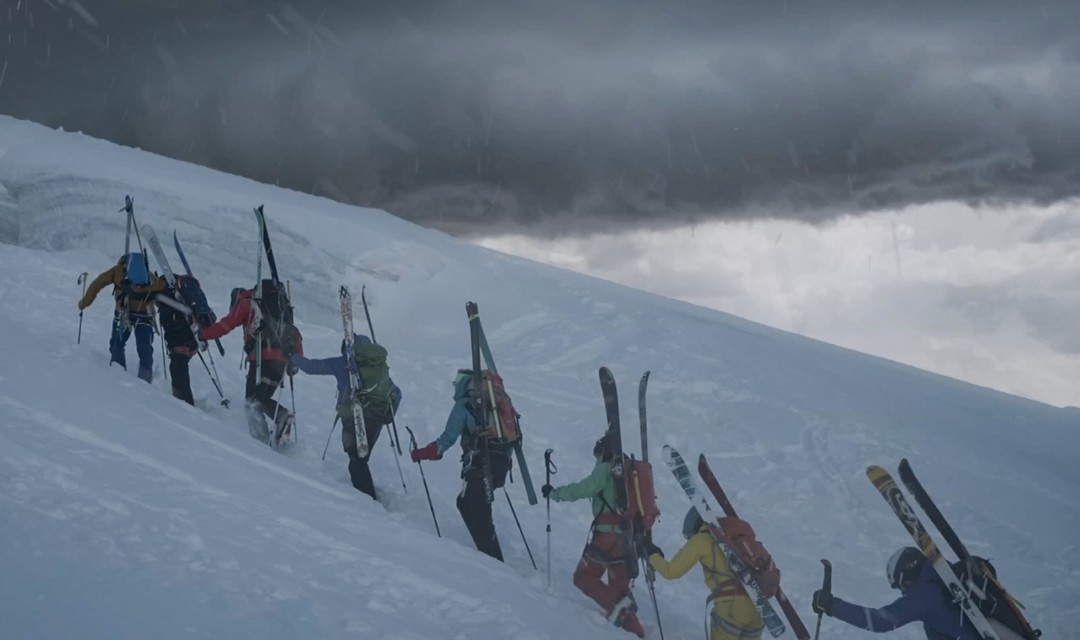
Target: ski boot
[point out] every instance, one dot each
(283, 426)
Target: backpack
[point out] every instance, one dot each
(640, 494)
(739, 536)
(192, 294)
(277, 315)
(376, 396)
(136, 274)
(503, 416)
(990, 597)
(136, 271)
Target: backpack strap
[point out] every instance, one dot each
(726, 584)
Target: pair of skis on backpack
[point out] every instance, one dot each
(751, 578)
(974, 586)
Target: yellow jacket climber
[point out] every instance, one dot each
(734, 616)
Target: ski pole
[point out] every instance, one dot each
(332, 427)
(213, 379)
(292, 392)
(82, 281)
(549, 469)
(826, 586)
(520, 530)
(656, 608)
(395, 444)
(412, 447)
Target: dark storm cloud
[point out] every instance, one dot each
(475, 115)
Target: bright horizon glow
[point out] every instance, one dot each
(985, 295)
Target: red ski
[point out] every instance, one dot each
(706, 473)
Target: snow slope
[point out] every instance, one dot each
(124, 513)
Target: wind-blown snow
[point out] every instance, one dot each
(125, 513)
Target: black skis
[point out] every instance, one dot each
(517, 446)
(256, 307)
(646, 534)
(614, 433)
(473, 312)
(187, 270)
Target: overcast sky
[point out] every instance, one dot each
(891, 175)
(564, 115)
(985, 295)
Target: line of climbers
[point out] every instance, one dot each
(609, 549)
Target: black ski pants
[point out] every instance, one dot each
(179, 358)
(472, 501)
(260, 397)
(359, 472)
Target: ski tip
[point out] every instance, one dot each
(874, 472)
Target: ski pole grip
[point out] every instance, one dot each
(548, 464)
(827, 582)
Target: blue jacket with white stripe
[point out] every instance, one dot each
(925, 601)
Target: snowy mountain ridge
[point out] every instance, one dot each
(129, 514)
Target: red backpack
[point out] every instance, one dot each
(739, 536)
(502, 416)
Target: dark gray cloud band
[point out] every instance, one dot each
(481, 115)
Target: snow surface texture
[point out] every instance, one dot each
(125, 513)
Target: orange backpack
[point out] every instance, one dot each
(739, 536)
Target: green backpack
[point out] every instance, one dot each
(373, 370)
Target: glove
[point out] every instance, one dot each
(823, 602)
(430, 452)
(196, 331)
(651, 548)
(288, 348)
(81, 305)
(546, 490)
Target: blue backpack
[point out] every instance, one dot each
(136, 270)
